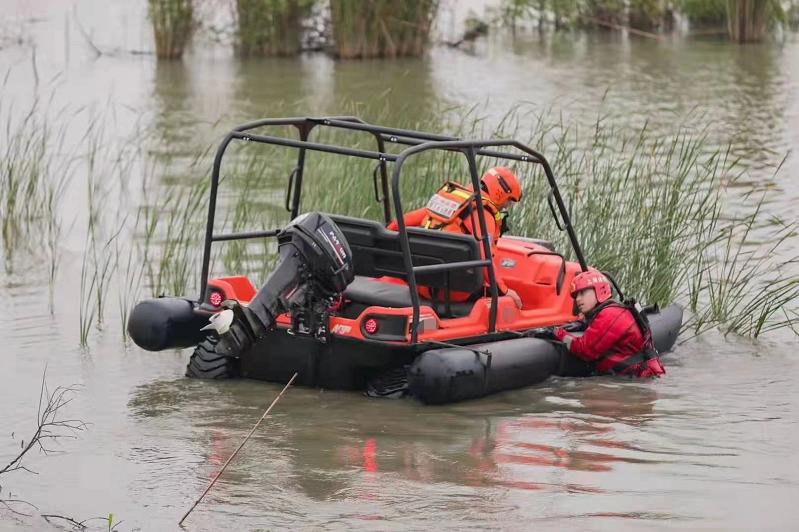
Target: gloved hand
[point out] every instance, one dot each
(561, 335)
(574, 326)
(545, 333)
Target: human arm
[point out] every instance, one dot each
(412, 219)
(600, 337)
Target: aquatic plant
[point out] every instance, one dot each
(173, 24)
(745, 20)
(21, 177)
(704, 12)
(647, 209)
(31, 183)
(650, 209)
(270, 27)
(381, 28)
(748, 20)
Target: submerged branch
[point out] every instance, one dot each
(49, 426)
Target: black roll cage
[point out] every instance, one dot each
(418, 142)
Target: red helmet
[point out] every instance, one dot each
(592, 279)
(501, 186)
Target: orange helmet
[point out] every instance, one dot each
(592, 279)
(501, 186)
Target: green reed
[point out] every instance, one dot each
(647, 208)
(173, 24)
(381, 28)
(270, 27)
(31, 183)
(746, 20)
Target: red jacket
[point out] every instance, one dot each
(472, 225)
(612, 336)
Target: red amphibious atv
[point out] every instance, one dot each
(343, 302)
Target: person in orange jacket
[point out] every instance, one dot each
(616, 338)
(452, 209)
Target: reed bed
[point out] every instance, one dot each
(648, 209)
(745, 20)
(31, 184)
(173, 24)
(381, 28)
(270, 27)
(748, 20)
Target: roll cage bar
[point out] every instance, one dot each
(417, 142)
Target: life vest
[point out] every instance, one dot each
(642, 357)
(451, 205)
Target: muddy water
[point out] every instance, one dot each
(710, 447)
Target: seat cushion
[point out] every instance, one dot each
(369, 291)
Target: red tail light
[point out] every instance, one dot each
(215, 298)
(370, 326)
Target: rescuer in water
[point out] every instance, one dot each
(616, 338)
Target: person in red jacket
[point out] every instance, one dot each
(615, 341)
(452, 209)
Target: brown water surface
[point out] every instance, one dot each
(710, 447)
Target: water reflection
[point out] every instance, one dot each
(328, 445)
(690, 446)
(173, 98)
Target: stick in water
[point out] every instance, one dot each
(286, 387)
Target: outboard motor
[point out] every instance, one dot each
(314, 268)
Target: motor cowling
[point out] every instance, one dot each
(315, 265)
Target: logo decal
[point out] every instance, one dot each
(507, 263)
(341, 329)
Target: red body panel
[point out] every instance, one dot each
(236, 287)
(533, 276)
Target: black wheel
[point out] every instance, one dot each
(206, 363)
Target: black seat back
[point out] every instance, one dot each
(376, 252)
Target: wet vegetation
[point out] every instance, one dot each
(363, 29)
(743, 20)
(173, 23)
(648, 209)
(381, 28)
(270, 27)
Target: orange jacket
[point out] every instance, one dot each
(472, 225)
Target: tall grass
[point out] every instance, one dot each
(648, 208)
(270, 27)
(31, 184)
(746, 20)
(173, 24)
(176, 223)
(381, 28)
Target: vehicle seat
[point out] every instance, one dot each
(368, 291)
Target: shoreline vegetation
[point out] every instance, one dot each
(648, 209)
(365, 29)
